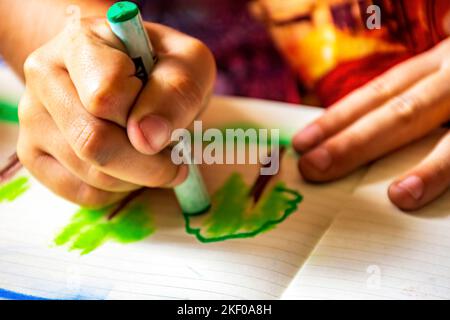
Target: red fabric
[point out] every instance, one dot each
(351, 75)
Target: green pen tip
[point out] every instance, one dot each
(122, 11)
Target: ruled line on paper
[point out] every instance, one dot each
(385, 243)
(134, 284)
(363, 272)
(142, 282)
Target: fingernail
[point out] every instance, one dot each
(413, 185)
(319, 158)
(308, 138)
(156, 131)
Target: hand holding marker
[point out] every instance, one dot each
(126, 23)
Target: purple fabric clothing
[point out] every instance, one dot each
(247, 62)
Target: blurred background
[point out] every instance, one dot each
(303, 51)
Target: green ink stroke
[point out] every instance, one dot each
(233, 213)
(14, 189)
(89, 229)
(285, 137)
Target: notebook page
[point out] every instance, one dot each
(375, 251)
(170, 263)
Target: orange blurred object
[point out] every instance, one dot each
(330, 46)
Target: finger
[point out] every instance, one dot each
(177, 91)
(101, 143)
(102, 73)
(366, 99)
(403, 119)
(34, 118)
(426, 182)
(58, 179)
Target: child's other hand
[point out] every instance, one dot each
(403, 105)
(88, 132)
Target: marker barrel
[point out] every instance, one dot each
(126, 23)
(192, 194)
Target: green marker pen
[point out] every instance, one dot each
(126, 23)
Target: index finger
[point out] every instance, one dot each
(102, 72)
(365, 99)
(402, 120)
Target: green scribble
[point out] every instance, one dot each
(285, 137)
(14, 189)
(234, 215)
(89, 229)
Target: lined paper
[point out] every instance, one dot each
(171, 264)
(374, 251)
(346, 240)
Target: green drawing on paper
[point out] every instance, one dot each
(233, 213)
(285, 135)
(89, 229)
(14, 189)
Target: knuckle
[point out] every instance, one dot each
(89, 197)
(23, 151)
(90, 143)
(206, 56)
(104, 94)
(405, 107)
(86, 24)
(101, 100)
(201, 50)
(30, 113)
(351, 139)
(123, 68)
(186, 91)
(79, 29)
(33, 65)
(30, 156)
(380, 88)
(101, 179)
(25, 111)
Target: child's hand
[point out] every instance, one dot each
(82, 99)
(403, 105)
